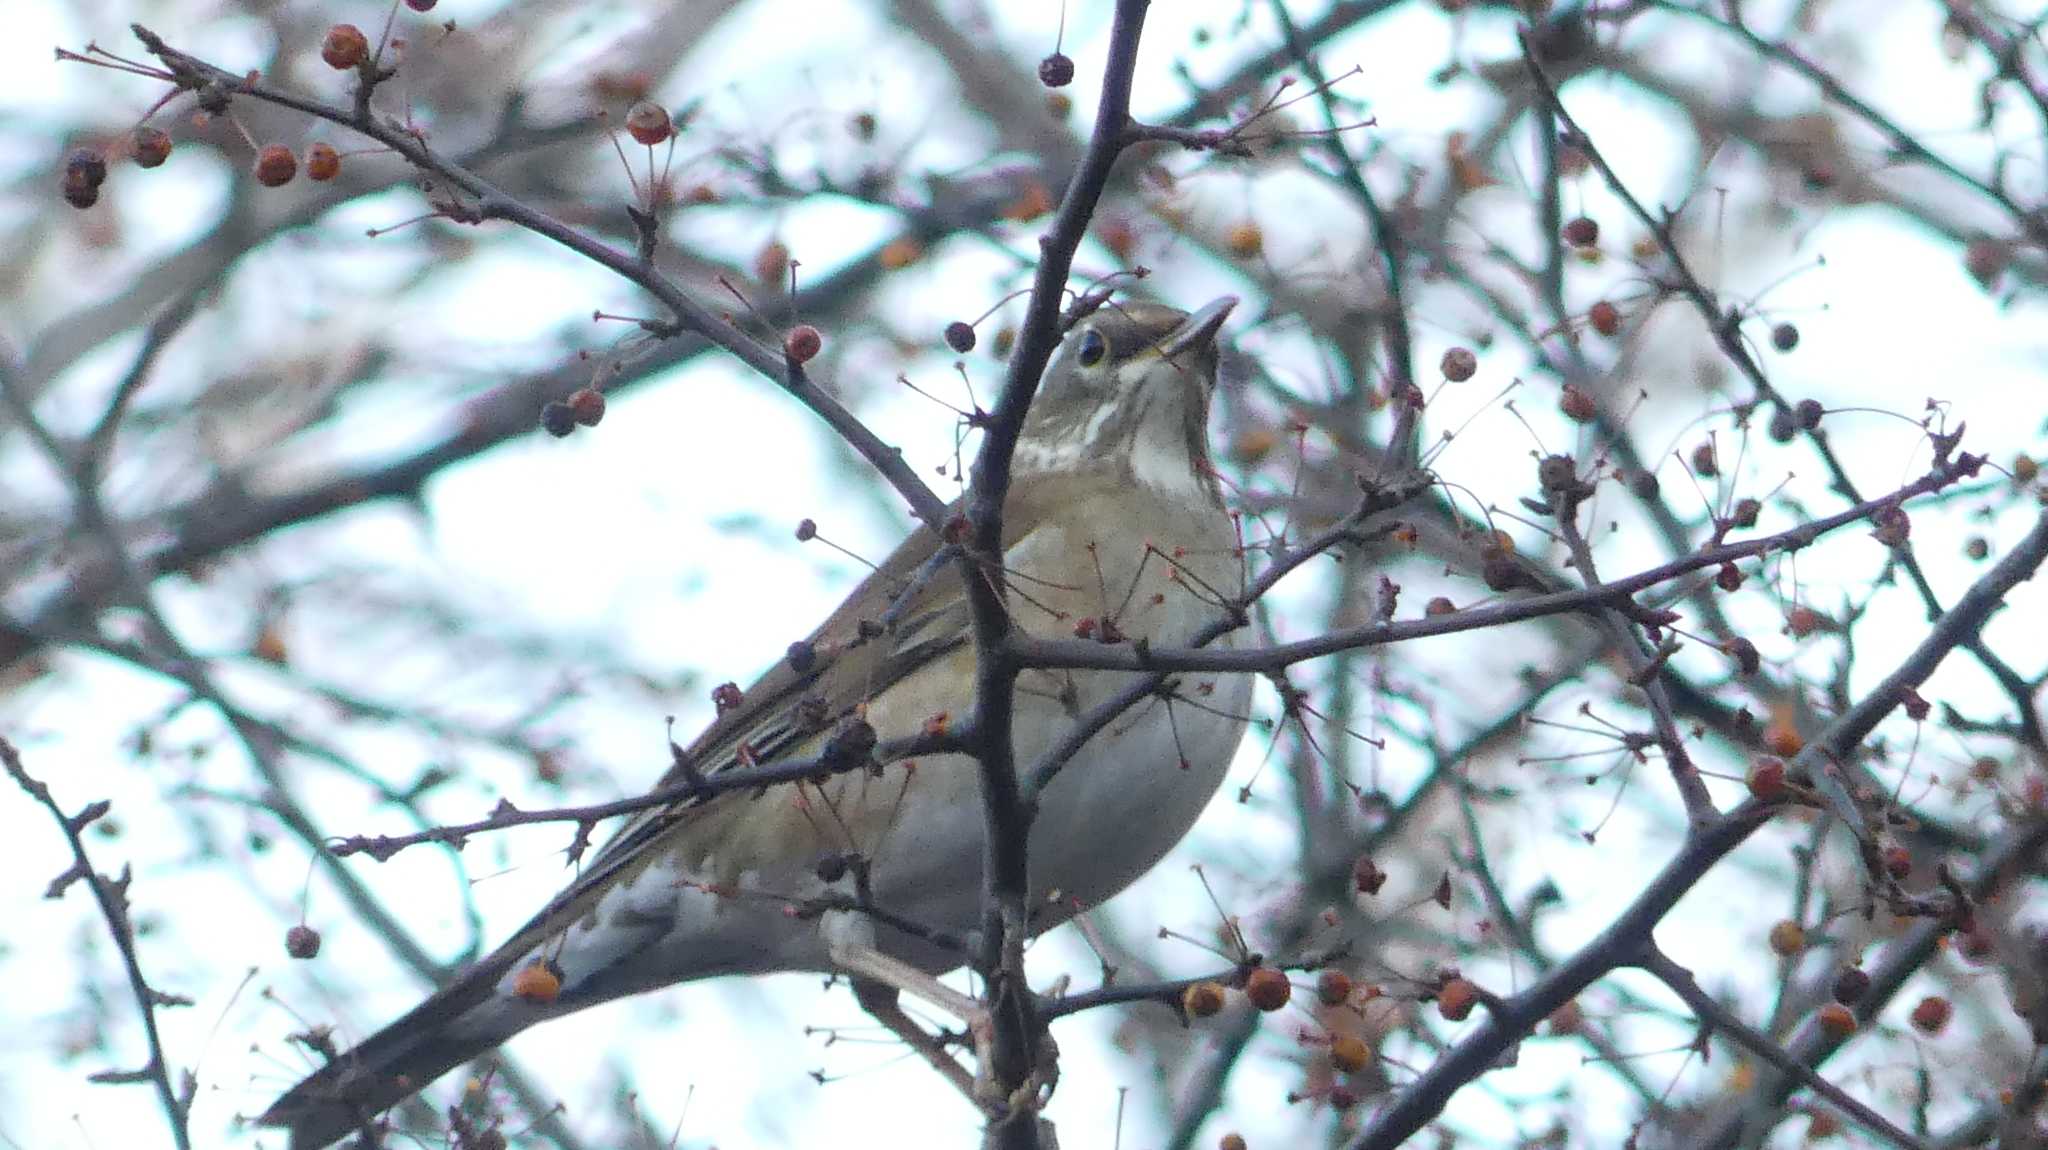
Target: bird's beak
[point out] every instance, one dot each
(1199, 329)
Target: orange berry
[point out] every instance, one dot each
(1244, 240)
(1268, 989)
(1231, 1141)
(1781, 737)
(275, 166)
(1202, 999)
(538, 982)
(1836, 1021)
(322, 162)
(802, 344)
(1787, 938)
(345, 47)
(1349, 1054)
(1455, 999)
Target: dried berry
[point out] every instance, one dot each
(1333, 987)
(802, 344)
(1202, 999)
(1366, 875)
(1459, 364)
(806, 530)
(345, 47)
(150, 146)
(1582, 232)
(1728, 578)
(1809, 412)
(1784, 337)
(421, 5)
(1783, 425)
(1577, 404)
(1439, 606)
(960, 336)
(302, 942)
(84, 171)
(1268, 989)
(1056, 70)
(1704, 461)
(1745, 513)
(587, 405)
(323, 163)
(557, 419)
(275, 166)
(1851, 984)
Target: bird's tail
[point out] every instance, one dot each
(462, 1020)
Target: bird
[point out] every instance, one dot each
(1115, 528)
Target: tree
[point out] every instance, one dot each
(1705, 723)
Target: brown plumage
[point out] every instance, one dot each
(1113, 520)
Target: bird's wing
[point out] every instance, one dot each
(917, 600)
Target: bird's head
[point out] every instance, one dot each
(1129, 389)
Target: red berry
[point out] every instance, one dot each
(1333, 987)
(1582, 232)
(649, 123)
(421, 5)
(1577, 404)
(1836, 1021)
(275, 166)
(802, 344)
(345, 47)
(1455, 1000)
(1605, 318)
(1932, 1014)
(587, 405)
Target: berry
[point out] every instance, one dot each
(1782, 738)
(1604, 317)
(275, 166)
(323, 163)
(1459, 364)
(1787, 938)
(557, 419)
(345, 47)
(1231, 1141)
(649, 124)
(1898, 862)
(960, 336)
(1268, 989)
(421, 5)
(1851, 984)
(1367, 876)
(1333, 987)
(84, 171)
(1766, 778)
(1582, 232)
(1454, 1000)
(802, 344)
(1784, 337)
(538, 982)
(771, 263)
(1836, 1021)
(1577, 405)
(587, 405)
(1704, 462)
(302, 941)
(1244, 239)
(1349, 1054)
(150, 146)
(1932, 1014)
(1745, 513)
(1056, 70)
(1808, 412)
(1439, 606)
(1729, 577)
(1802, 621)
(1784, 425)
(1202, 999)
(806, 530)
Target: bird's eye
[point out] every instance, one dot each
(1093, 347)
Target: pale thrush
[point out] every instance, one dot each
(1114, 529)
